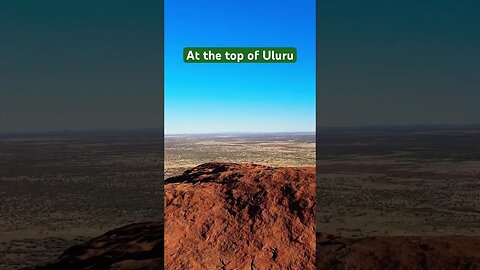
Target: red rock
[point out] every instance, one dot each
(230, 216)
(399, 252)
(135, 246)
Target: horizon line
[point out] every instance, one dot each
(236, 132)
(68, 130)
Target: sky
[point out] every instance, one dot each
(211, 98)
(98, 64)
(80, 65)
(398, 62)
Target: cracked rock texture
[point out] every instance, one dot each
(217, 216)
(399, 252)
(231, 216)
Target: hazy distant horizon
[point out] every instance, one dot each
(233, 133)
(319, 128)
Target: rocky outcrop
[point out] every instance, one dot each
(217, 216)
(231, 216)
(135, 246)
(140, 246)
(399, 252)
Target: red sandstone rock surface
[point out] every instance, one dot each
(399, 252)
(230, 216)
(140, 246)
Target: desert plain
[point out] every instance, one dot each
(60, 189)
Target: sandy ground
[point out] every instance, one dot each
(285, 150)
(58, 190)
(399, 199)
(400, 182)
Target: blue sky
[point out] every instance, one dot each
(97, 64)
(206, 98)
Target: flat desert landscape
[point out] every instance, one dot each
(59, 189)
(372, 181)
(183, 152)
(422, 181)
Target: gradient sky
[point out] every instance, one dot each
(203, 98)
(97, 64)
(80, 65)
(398, 62)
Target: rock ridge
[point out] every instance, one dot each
(248, 216)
